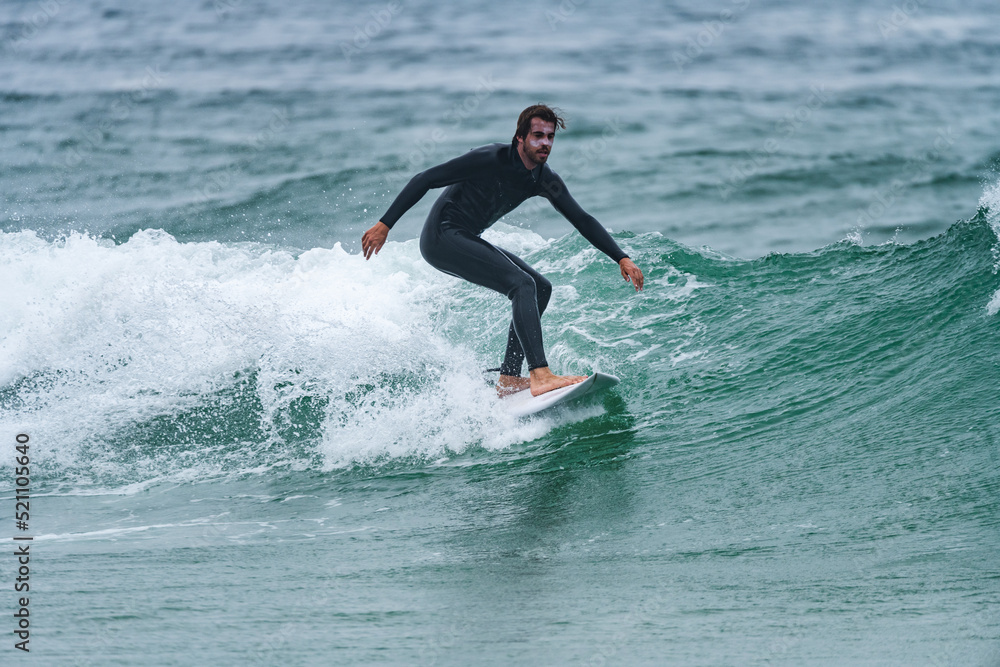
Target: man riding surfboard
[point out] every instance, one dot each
(480, 187)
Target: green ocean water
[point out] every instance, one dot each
(249, 446)
(800, 464)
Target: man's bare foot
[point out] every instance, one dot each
(511, 384)
(543, 380)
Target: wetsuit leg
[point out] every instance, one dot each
(513, 358)
(458, 252)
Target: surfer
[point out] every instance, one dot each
(480, 187)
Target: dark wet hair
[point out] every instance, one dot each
(542, 111)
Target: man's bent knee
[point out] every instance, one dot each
(523, 287)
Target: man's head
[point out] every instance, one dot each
(536, 130)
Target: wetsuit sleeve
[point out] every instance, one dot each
(555, 191)
(461, 168)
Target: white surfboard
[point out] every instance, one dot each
(523, 403)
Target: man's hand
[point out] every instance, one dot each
(631, 272)
(373, 240)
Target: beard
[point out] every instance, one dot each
(537, 155)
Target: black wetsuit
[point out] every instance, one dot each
(483, 185)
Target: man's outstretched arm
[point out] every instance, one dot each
(463, 167)
(588, 226)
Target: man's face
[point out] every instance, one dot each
(537, 145)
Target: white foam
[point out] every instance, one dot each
(993, 307)
(516, 240)
(102, 336)
(990, 200)
(855, 237)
